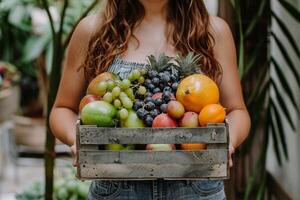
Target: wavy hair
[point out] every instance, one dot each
(188, 30)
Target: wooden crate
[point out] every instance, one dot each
(94, 164)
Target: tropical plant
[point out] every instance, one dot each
(61, 32)
(265, 98)
(65, 188)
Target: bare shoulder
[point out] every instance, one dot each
(219, 28)
(85, 28)
(79, 42)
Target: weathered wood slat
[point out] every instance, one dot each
(96, 135)
(150, 171)
(212, 156)
(211, 163)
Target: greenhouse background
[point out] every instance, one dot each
(267, 38)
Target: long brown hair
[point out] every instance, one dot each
(188, 23)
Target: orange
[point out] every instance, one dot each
(197, 91)
(212, 113)
(199, 146)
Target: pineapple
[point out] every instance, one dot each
(188, 65)
(162, 64)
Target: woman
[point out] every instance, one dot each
(125, 33)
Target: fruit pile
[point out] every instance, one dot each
(166, 94)
(8, 75)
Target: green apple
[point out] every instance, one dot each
(132, 121)
(99, 113)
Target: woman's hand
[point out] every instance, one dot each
(74, 154)
(231, 152)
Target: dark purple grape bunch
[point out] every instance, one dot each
(159, 82)
(161, 88)
(146, 110)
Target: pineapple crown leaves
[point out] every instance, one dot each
(161, 63)
(189, 64)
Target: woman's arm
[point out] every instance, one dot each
(230, 86)
(72, 86)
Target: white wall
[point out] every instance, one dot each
(288, 175)
(212, 6)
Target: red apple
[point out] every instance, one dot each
(175, 109)
(164, 121)
(189, 120)
(160, 147)
(87, 99)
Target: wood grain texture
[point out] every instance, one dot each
(96, 135)
(213, 156)
(153, 171)
(211, 163)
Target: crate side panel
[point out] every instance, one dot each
(97, 135)
(212, 156)
(150, 171)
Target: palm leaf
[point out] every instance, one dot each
(291, 9)
(262, 188)
(287, 58)
(260, 163)
(280, 129)
(275, 139)
(256, 19)
(256, 111)
(260, 86)
(284, 83)
(287, 34)
(283, 106)
(253, 58)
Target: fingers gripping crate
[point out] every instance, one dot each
(211, 163)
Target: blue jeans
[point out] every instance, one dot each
(157, 190)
